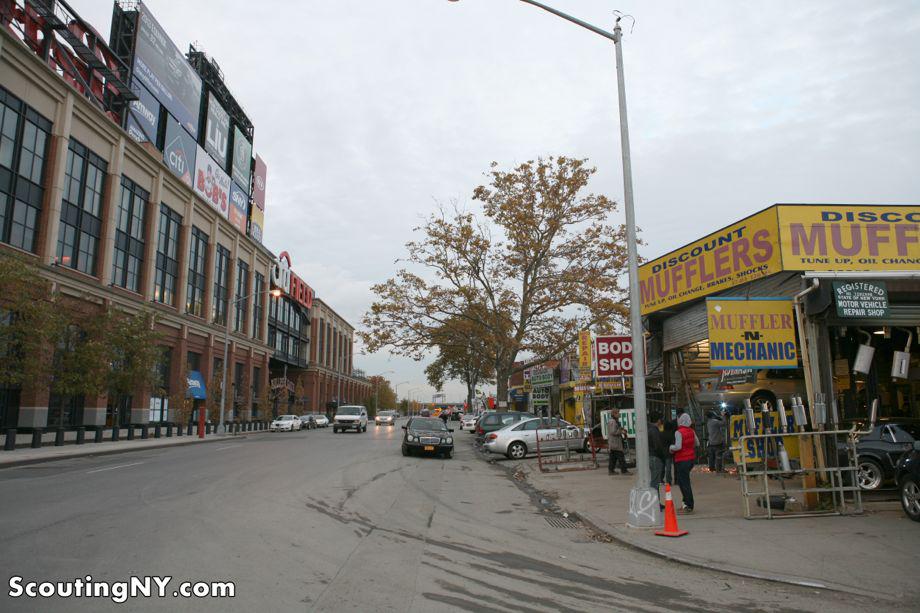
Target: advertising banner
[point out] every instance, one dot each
(163, 69)
(627, 420)
(850, 237)
(241, 165)
(258, 184)
(861, 299)
(540, 396)
(239, 207)
(256, 223)
(584, 355)
(754, 452)
(751, 333)
(739, 253)
(212, 183)
(614, 356)
(217, 131)
(143, 115)
(541, 377)
(179, 151)
(737, 376)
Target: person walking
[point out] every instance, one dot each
(667, 439)
(684, 451)
(615, 444)
(715, 428)
(657, 453)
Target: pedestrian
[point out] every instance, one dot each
(657, 453)
(615, 444)
(684, 451)
(715, 428)
(667, 439)
(444, 417)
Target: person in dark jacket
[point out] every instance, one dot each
(715, 429)
(615, 435)
(667, 439)
(657, 454)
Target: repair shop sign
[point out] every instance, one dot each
(614, 356)
(751, 333)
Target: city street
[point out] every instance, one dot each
(319, 521)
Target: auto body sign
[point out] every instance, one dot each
(614, 356)
(751, 333)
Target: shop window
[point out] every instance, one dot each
(193, 361)
(167, 264)
(129, 236)
(65, 411)
(81, 209)
(197, 260)
(24, 137)
(9, 407)
(118, 410)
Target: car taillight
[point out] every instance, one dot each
(727, 386)
(479, 430)
(492, 436)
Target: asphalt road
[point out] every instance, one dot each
(316, 521)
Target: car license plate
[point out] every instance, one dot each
(429, 447)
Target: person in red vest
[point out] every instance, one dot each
(684, 451)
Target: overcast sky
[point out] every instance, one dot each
(369, 112)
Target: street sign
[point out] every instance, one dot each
(584, 355)
(861, 299)
(541, 377)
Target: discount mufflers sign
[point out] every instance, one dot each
(751, 333)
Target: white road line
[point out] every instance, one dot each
(228, 447)
(99, 470)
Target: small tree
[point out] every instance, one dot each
(131, 344)
(300, 391)
(212, 404)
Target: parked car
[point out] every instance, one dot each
(908, 480)
(307, 422)
(879, 451)
(385, 418)
(350, 417)
(321, 421)
(468, 422)
(284, 423)
(519, 439)
(427, 435)
(491, 421)
(765, 387)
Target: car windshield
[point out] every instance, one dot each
(286, 418)
(427, 424)
(350, 411)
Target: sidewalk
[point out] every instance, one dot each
(50, 453)
(873, 554)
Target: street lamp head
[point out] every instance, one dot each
(276, 293)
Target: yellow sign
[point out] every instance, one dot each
(850, 237)
(741, 252)
(584, 355)
(753, 452)
(751, 333)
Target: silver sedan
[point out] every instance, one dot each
(519, 439)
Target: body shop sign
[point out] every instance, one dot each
(212, 183)
(861, 299)
(756, 333)
(614, 356)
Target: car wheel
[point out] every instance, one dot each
(910, 498)
(763, 398)
(868, 474)
(447, 455)
(517, 450)
(405, 451)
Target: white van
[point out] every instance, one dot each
(350, 417)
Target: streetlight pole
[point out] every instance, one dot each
(223, 382)
(643, 501)
(377, 389)
(396, 392)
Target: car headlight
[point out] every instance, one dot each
(449, 440)
(410, 438)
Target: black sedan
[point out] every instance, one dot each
(879, 451)
(427, 435)
(908, 480)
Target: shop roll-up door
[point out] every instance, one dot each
(689, 326)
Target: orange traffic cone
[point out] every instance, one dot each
(670, 517)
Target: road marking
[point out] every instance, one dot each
(99, 470)
(228, 447)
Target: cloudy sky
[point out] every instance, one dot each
(370, 112)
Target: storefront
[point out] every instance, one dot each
(837, 277)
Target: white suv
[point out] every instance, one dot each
(353, 417)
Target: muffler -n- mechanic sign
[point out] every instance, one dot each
(751, 333)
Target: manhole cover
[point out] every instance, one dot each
(560, 522)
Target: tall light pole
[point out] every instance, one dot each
(396, 391)
(643, 501)
(275, 293)
(377, 389)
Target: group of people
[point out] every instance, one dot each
(672, 449)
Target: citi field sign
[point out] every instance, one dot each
(794, 237)
(284, 279)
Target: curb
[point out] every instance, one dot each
(69, 456)
(617, 535)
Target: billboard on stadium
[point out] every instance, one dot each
(163, 69)
(239, 206)
(241, 166)
(179, 151)
(217, 131)
(143, 115)
(212, 183)
(258, 184)
(256, 223)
